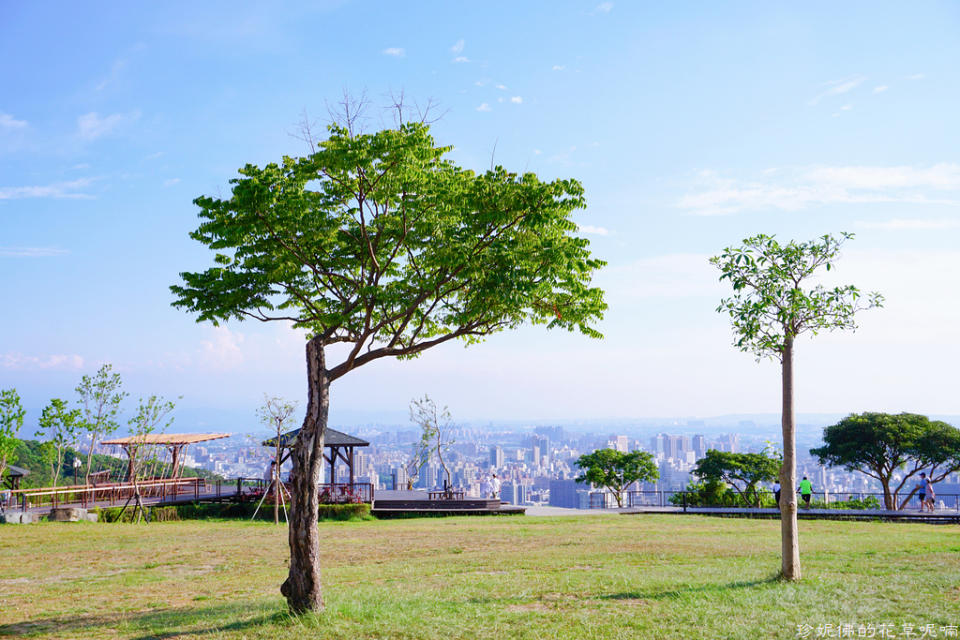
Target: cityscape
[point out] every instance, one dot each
(535, 464)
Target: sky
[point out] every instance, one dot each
(690, 125)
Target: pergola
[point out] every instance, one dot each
(14, 475)
(175, 443)
(340, 444)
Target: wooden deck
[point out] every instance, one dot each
(412, 503)
(909, 515)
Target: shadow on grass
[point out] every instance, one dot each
(156, 624)
(677, 593)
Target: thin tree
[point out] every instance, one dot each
(436, 425)
(769, 308)
(276, 413)
(152, 416)
(100, 397)
(11, 421)
(419, 455)
(379, 243)
(59, 426)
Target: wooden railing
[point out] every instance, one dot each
(89, 495)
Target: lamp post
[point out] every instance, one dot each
(77, 463)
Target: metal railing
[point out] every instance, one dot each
(112, 493)
(845, 500)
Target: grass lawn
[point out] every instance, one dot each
(650, 576)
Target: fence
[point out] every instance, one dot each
(685, 499)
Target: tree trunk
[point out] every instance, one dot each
(302, 587)
(889, 500)
(789, 535)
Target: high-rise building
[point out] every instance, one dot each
(699, 446)
(622, 444)
(496, 457)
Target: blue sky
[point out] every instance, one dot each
(690, 125)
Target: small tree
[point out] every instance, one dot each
(742, 471)
(11, 420)
(379, 242)
(151, 417)
(276, 413)
(100, 397)
(616, 470)
(435, 427)
(884, 446)
(769, 309)
(59, 426)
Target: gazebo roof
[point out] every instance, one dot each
(167, 438)
(333, 438)
(16, 472)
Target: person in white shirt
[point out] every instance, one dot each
(495, 487)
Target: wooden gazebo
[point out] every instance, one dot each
(175, 443)
(340, 444)
(14, 476)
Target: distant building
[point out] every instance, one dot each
(569, 494)
(496, 457)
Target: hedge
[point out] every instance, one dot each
(242, 511)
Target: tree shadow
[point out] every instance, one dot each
(667, 594)
(156, 624)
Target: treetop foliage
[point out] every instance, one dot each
(380, 241)
(770, 306)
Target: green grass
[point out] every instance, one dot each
(586, 577)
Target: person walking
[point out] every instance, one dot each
(931, 495)
(776, 492)
(495, 487)
(922, 491)
(806, 491)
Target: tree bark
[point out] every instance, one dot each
(789, 535)
(888, 499)
(302, 587)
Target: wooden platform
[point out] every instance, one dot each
(936, 517)
(413, 503)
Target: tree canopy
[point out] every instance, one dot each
(11, 420)
(742, 471)
(616, 470)
(881, 445)
(378, 241)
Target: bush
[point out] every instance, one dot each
(232, 510)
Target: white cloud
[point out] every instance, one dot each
(222, 351)
(799, 189)
(484, 107)
(678, 275)
(604, 7)
(590, 229)
(458, 47)
(837, 87)
(880, 88)
(558, 67)
(63, 362)
(916, 76)
(56, 190)
(396, 52)
(911, 224)
(91, 126)
(502, 87)
(537, 152)
(171, 182)
(516, 100)
(461, 59)
(7, 121)
(31, 252)
(846, 107)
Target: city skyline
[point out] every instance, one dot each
(685, 139)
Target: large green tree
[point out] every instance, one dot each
(380, 246)
(616, 470)
(742, 471)
(11, 420)
(772, 304)
(892, 449)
